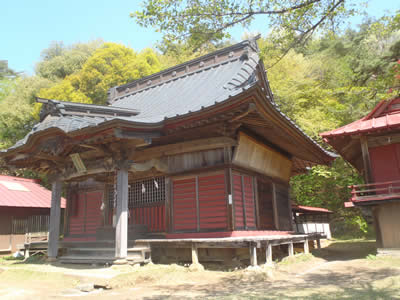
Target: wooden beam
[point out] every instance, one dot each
(387, 139)
(121, 229)
(145, 137)
(183, 147)
(252, 107)
(55, 213)
(366, 160)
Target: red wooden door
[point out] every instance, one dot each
(244, 202)
(212, 202)
(184, 205)
(87, 216)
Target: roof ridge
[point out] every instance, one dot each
(113, 92)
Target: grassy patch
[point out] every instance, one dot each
(298, 258)
(10, 257)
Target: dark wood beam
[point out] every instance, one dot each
(184, 147)
(366, 160)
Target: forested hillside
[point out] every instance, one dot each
(331, 80)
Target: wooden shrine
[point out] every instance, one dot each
(199, 150)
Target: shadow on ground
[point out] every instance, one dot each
(325, 285)
(343, 250)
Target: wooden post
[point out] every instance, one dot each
(55, 214)
(121, 228)
(195, 255)
(244, 203)
(275, 207)
(168, 204)
(291, 251)
(229, 201)
(366, 160)
(197, 204)
(253, 254)
(306, 248)
(256, 200)
(318, 243)
(268, 253)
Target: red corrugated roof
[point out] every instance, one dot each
(22, 192)
(310, 208)
(383, 116)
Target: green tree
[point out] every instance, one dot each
(59, 61)
(200, 21)
(16, 109)
(108, 66)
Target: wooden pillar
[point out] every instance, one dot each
(268, 253)
(366, 160)
(121, 228)
(275, 207)
(168, 227)
(290, 249)
(318, 243)
(306, 248)
(55, 214)
(230, 206)
(253, 254)
(195, 255)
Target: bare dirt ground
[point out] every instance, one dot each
(343, 270)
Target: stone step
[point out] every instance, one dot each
(74, 259)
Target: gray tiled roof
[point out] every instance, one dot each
(172, 93)
(192, 91)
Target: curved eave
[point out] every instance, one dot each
(270, 109)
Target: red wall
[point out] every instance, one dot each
(152, 216)
(245, 217)
(208, 193)
(385, 162)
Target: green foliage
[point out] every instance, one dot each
(108, 66)
(59, 61)
(16, 110)
(200, 21)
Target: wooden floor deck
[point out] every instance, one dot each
(248, 241)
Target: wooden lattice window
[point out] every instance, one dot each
(143, 192)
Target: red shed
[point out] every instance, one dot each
(24, 207)
(372, 145)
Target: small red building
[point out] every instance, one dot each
(372, 146)
(24, 208)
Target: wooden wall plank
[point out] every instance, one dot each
(256, 156)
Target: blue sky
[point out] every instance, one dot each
(27, 27)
